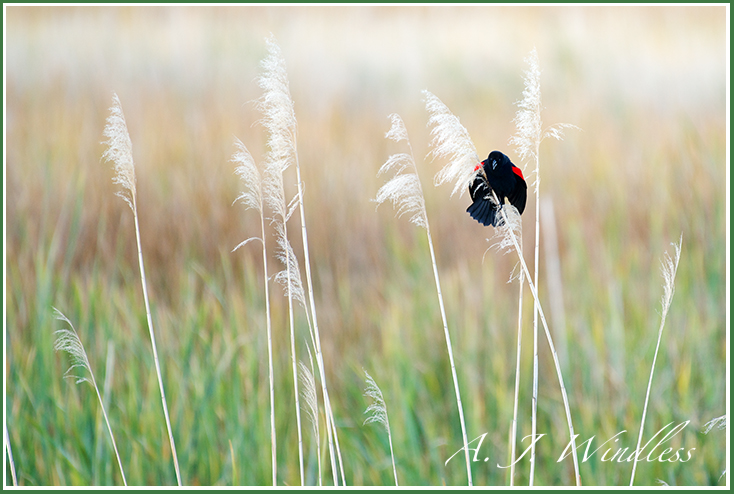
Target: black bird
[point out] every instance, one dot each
(499, 174)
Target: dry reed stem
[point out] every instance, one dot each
(69, 342)
(280, 122)
(450, 138)
(405, 192)
(252, 197)
(669, 268)
(513, 427)
(308, 390)
(119, 151)
(530, 134)
(279, 118)
(313, 407)
(10, 457)
(533, 290)
(377, 413)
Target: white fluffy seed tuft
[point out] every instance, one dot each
(450, 139)
(120, 152)
(377, 411)
(67, 340)
(404, 189)
(251, 195)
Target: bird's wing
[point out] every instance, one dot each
(483, 211)
(519, 194)
(478, 188)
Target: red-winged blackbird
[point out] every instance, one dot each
(499, 174)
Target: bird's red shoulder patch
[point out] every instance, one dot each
(477, 167)
(517, 172)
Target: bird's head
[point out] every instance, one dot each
(495, 159)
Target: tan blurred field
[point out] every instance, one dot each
(648, 87)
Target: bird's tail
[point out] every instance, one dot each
(485, 212)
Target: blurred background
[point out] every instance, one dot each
(647, 86)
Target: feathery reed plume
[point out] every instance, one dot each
(669, 268)
(377, 413)
(441, 134)
(718, 422)
(310, 399)
(10, 457)
(251, 195)
(405, 192)
(279, 119)
(404, 189)
(252, 198)
(275, 196)
(290, 277)
(450, 139)
(530, 131)
(119, 151)
(507, 231)
(530, 134)
(67, 340)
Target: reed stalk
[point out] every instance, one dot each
(405, 192)
(119, 151)
(68, 340)
(509, 231)
(10, 457)
(280, 120)
(252, 197)
(669, 268)
(513, 426)
(377, 413)
(451, 139)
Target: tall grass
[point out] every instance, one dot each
(530, 133)
(669, 268)
(377, 413)
(120, 152)
(279, 119)
(315, 336)
(290, 277)
(717, 422)
(405, 192)
(310, 399)
(67, 340)
(518, 360)
(252, 197)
